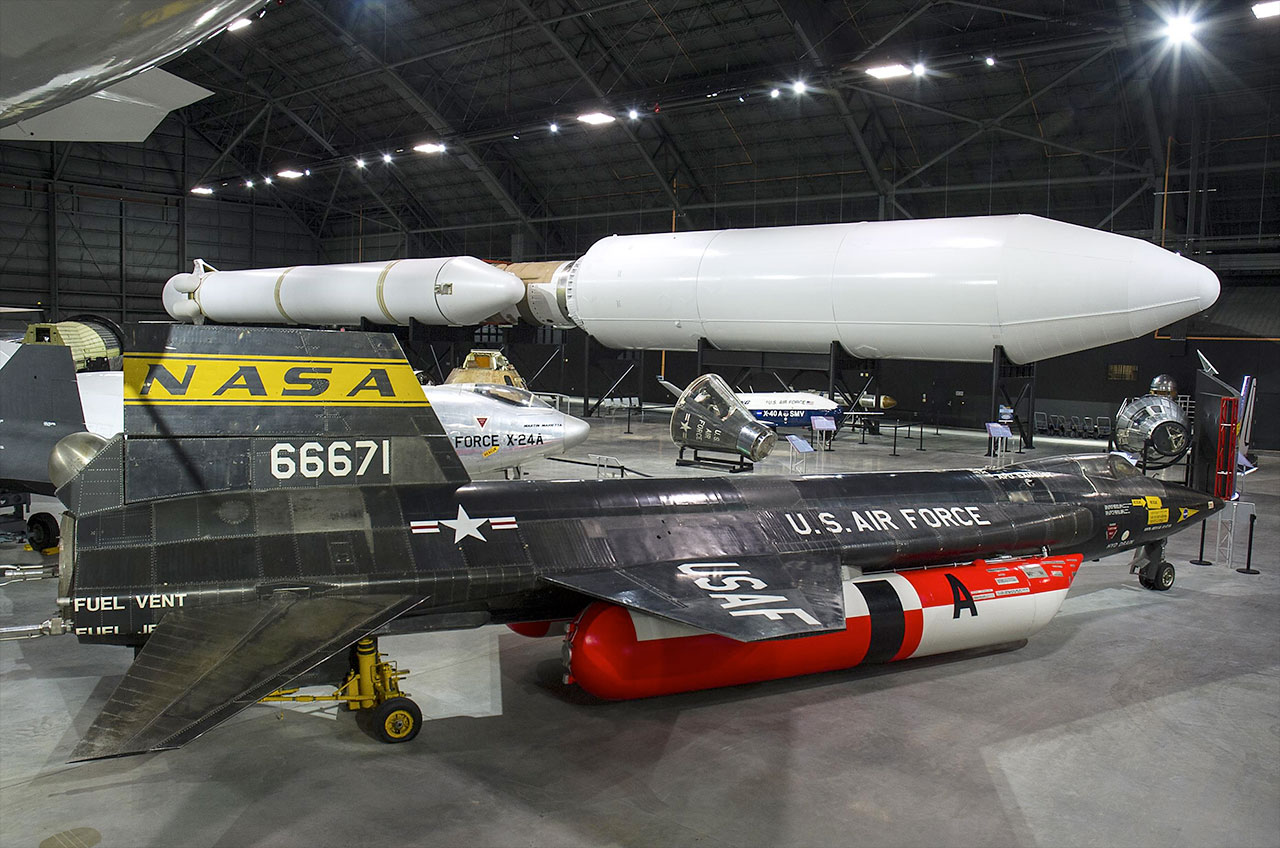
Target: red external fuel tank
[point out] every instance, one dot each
(618, 654)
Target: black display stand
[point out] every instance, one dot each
(733, 466)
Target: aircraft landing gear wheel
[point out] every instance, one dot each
(1144, 582)
(1164, 578)
(42, 531)
(397, 720)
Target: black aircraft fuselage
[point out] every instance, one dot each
(479, 553)
(281, 494)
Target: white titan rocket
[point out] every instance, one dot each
(940, 289)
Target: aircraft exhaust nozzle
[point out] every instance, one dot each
(709, 416)
(71, 454)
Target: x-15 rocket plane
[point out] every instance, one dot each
(256, 519)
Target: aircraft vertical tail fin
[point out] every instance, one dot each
(41, 405)
(217, 408)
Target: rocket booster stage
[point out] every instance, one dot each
(456, 290)
(940, 289)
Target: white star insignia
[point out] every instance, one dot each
(684, 425)
(464, 526)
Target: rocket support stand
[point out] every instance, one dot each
(1007, 377)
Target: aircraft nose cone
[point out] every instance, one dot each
(469, 291)
(575, 431)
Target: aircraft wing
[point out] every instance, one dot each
(203, 665)
(748, 598)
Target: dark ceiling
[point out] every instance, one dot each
(1088, 114)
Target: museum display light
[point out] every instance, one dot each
(1180, 29)
(429, 147)
(597, 118)
(889, 71)
(1266, 10)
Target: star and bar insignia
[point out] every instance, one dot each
(464, 526)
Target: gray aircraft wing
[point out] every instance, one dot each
(748, 598)
(202, 666)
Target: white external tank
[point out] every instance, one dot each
(940, 289)
(455, 290)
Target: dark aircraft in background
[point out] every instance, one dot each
(284, 494)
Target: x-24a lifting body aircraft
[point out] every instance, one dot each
(248, 526)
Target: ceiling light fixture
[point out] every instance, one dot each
(632, 114)
(202, 190)
(516, 137)
(386, 157)
(991, 61)
(918, 69)
(238, 23)
(359, 163)
(555, 128)
(799, 87)
(774, 93)
(1266, 10)
(1180, 29)
(596, 118)
(889, 71)
(248, 183)
(267, 180)
(289, 174)
(429, 147)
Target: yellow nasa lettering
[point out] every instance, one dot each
(189, 379)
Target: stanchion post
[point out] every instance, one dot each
(628, 420)
(895, 440)
(1200, 560)
(1248, 555)
(921, 437)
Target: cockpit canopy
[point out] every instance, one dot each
(508, 394)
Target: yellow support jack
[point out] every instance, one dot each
(373, 684)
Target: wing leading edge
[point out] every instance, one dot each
(746, 598)
(202, 666)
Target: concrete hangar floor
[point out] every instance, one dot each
(1134, 718)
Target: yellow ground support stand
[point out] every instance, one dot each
(374, 684)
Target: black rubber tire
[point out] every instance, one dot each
(42, 531)
(1165, 576)
(1144, 582)
(397, 720)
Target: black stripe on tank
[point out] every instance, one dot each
(888, 622)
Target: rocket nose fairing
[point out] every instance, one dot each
(945, 289)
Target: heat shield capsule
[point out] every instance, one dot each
(709, 416)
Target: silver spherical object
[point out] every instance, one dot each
(1154, 420)
(71, 454)
(1163, 385)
